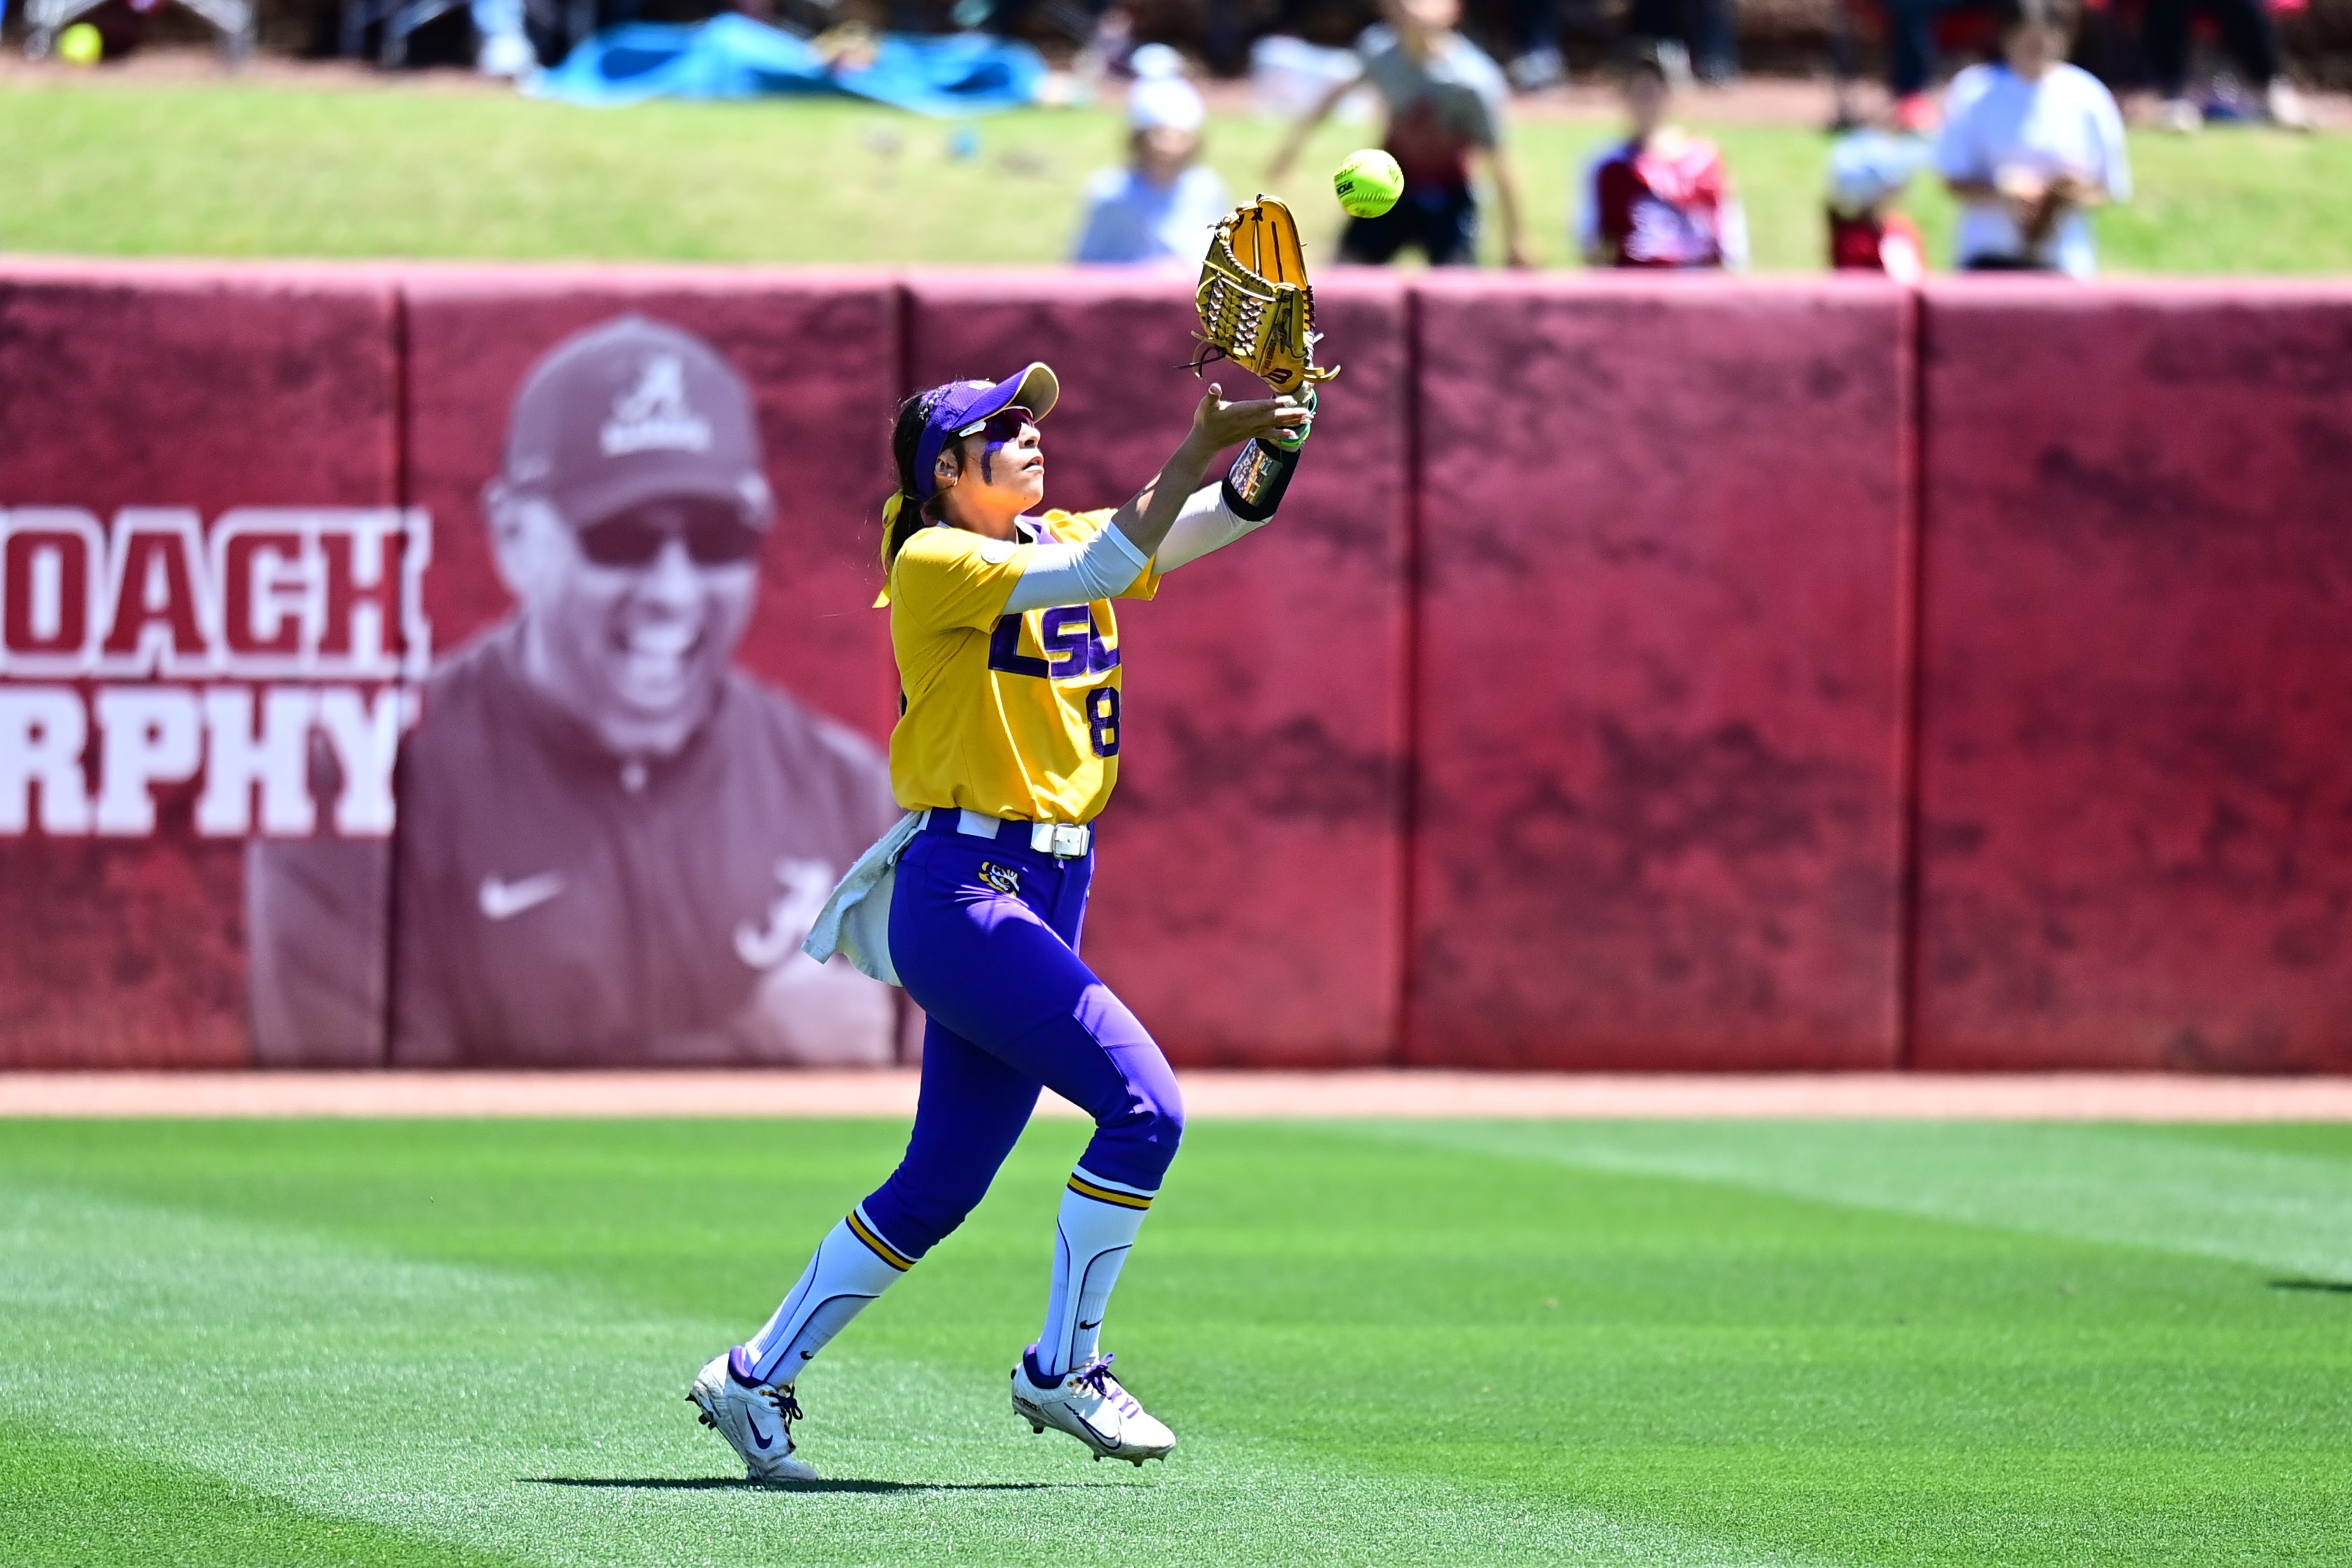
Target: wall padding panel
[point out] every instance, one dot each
(2136, 712)
(1660, 677)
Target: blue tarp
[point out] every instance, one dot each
(733, 57)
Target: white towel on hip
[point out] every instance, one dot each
(855, 921)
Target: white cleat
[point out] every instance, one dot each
(1089, 1405)
(756, 1418)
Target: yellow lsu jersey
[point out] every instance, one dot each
(1014, 715)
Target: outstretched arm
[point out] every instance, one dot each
(1296, 140)
(1244, 499)
(1217, 426)
(1108, 564)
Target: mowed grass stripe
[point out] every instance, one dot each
(2125, 1186)
(479, 1406)
(67, 1503)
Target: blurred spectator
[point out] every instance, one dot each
(1535, 29)
(501, 46)
(1078, 19)
(1289, 77)
(1911, 57)
(1162, 204)
(1689, 37)
(1660, 198)
(1444, 101)
(1108, 56)
(1868, 170)
(2030, 144)
(2246, 33)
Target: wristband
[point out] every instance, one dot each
(1254, 486)
(1291, 440)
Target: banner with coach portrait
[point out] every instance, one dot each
(541, 747)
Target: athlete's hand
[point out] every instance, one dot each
(1217, 424)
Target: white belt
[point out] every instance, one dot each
(1068, 841)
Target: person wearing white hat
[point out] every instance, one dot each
(1161, 206)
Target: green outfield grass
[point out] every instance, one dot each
(464, 1344)
(274, 170)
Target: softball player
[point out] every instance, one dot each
(1006, 748)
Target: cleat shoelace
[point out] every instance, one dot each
(1097, 1376)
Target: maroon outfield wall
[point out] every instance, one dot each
(1664, 548)
(2135, 772)
(1564, 720)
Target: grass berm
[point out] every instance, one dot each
(96, 166)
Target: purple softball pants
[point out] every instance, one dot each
(984, 934)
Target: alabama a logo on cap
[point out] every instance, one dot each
(652, 415)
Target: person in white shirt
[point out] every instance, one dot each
(1162, 204)
(2030, 145)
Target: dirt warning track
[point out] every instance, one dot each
(2093, 1097)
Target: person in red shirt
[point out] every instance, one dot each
(1661, 197)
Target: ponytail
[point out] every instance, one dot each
(905, 515)
(902, 514)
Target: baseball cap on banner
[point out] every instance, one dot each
(635, 411)
(963, 406)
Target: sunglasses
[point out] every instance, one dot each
(1000, 428)
(714, 534)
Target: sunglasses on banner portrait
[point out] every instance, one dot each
(715, 534)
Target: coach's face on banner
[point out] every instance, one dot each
(629, 527)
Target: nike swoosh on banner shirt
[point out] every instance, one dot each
(503, 899)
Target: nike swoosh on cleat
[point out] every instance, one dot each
(758, 1436)
(502, 900)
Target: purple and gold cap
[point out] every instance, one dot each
(963, 406)
(635, 411)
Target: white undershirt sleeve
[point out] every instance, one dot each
(1205, 523)
(1108, 564)
(1058, 573)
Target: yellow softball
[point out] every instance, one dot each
(1368, 182)
(80, 44)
